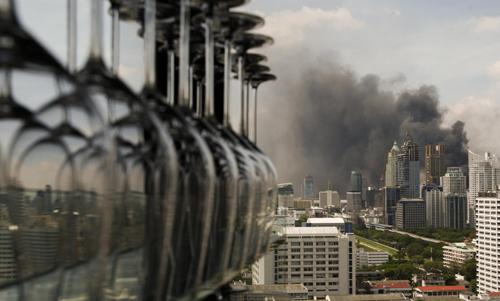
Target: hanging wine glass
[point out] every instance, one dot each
(55, 172)
(147, 176)
(232, 23)
(257, 79)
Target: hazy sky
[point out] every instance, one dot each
(452, 45)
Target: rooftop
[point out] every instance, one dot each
(326, 220)
(277, 287)
(371, 297)
(391, 285)
(442, 288)
(437, 298)
(310, 230)
(494, 293)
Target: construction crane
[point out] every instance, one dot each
(408, 130)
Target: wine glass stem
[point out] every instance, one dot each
(96, 30)
(71, 36)
(184, 53)
(209, 66)
(199, 87)
(149, 42)
(254, 88)
(171, 75)
(7, 11)
(115, 39)
(6, 87)
(191, 87)
(247, 113)
(227, 81)
(241, 77)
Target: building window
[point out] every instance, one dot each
(321, 243)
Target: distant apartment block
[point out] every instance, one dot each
(329, 198)
(370, 258)
(319, 258)
(457, 254)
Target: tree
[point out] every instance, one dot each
(450, 279)
(417, 259)
(431, 266)
(303, 218)
(361, 226)
(469, 270)
(473, 286)
(414, 249)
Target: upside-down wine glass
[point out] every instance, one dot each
(55, 174)
(146, 175)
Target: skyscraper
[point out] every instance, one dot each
(308, 187)
(410, 214)
(434, 163)
(408, 170)
(329, 198)
(354, 202)
(285, 195)
(390, 166)
(356, 181)
(455, 210)
(392, 196)
(285, 189)
(484, 174)
(434, 205)
(454, 181)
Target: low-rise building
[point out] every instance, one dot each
(373, 297)
(457, 254)
(369, 275)
(442, 290)
(370, 258)
(428, 279)
(302, 204)
(272, 292)
(327, 222)
(382, 287)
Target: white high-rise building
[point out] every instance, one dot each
(484, 174)
(454, 181)
(488, 250)
(329, 198)
(320, 258)
(434, 205)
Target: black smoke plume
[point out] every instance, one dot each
(327, 121)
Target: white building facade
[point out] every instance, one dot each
(329, 198)
(487, 241)
(457, 254)
(434, 205)
(320, 258)
(370, 258)
(454, 181)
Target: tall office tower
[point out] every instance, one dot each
(487, 241)
(320, 258)
(484, 174)
(434, 163)
(454, 181)
(354, 201)
(356, 181)
(434, 205)
(392, 196)
(455, 210)
(285, 195)
(408, 170)
(373, 198)
(329, 198)
(308, 188)
(390, 166)
(410, 213)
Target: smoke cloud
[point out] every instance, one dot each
(325, 120)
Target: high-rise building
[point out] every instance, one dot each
(487, 241)
(484, 174)
(329, 198)
(354, 201)
(390, 166)
(455, 210)
(454, 181)
(356, 181)
(392, 196)
(434, 205)
(308, 188)
(285, 189)
(434, 163)
(408, 170)
(410, 213)
(320, 258)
